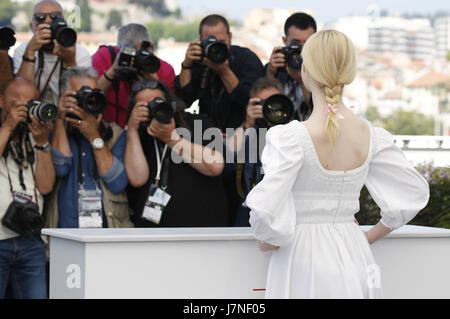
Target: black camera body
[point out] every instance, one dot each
(91, 100)
(7, 38)
(277, 109)
(23, 218)
(293, 55)
(160, 110)
(132, 61)
(215, 50)
(65, 35)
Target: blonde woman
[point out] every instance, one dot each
(304, 207)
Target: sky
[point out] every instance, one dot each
(324, 10)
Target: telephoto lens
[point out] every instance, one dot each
(160, 110)
(65, 35)
(277, 109)
(7, 38)
(91, 100)
(216, 51)
(44, 112)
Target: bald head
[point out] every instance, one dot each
(47, 4)
(44, 6)
(18, 92)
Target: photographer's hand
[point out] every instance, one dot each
(87, 124)
(66, 101)
(229, 79)
(41, 37)
(161, 131)
(277, 60)
(40, 131)
(17, 114)
(193, 53)
(67, 55)
(139, 114)
(254, 111)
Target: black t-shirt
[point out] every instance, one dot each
(196, 200)
(227, 110)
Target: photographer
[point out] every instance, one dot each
(7, 40)
(297, 29)
(175, 182)
(246, 145)
(118, 90)
(47, 54)
(88, 159)
(26, 173)
(222, 87)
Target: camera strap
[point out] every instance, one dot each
(21, 182)
(159, 162)
(41, 70)
(80, 165)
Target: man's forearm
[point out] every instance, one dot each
(5, 69)
(135, 161)
(26, 69)
(103, 83)
(60, 141)
(185, 77)
(45, 172)
(230, 80)
(5, 134)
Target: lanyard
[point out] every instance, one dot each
(159, 162)
(80, 166)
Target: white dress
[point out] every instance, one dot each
(309, 212)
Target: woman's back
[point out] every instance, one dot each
(352, 145)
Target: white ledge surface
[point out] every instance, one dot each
(199, 234)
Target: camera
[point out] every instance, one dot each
(293, 54)
(23, 218)
(132, 61)
(277, 109)
(65, 35)
(91, 100)
(7, 38)
(42, 111)
(216, 51)
(160, 110)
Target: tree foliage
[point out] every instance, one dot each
(402, 122)
(114, 19)
(8, 10)
(85, 11)
(167, 28)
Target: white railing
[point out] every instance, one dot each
(422, 142)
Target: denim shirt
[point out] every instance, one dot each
(66, 168)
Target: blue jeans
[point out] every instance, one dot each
(22, 264)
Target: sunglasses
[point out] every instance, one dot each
(147, 84)
(40, 17)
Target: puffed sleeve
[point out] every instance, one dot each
(395, 185)
(272, 215)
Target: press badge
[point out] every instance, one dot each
(90, 208)
(156, 202)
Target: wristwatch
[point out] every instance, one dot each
(98, 143)
(45, 148)
(26, 59)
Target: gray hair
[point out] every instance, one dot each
(133, 34)
(83, 72)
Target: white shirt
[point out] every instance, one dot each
(5, 190)
(83, 59)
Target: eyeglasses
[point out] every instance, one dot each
(41, 16)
